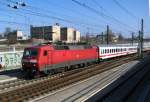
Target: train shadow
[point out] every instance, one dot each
(15, 73)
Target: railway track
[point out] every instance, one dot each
(125, 85)
(27, 90)
(19, 82)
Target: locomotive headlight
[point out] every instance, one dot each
(34, 65)
(33, 61)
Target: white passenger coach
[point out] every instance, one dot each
(108, 51)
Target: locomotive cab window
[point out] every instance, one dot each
(30, 52)
(45, 53)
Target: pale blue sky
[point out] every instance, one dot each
(69, 13)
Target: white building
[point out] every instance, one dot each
(70, 35)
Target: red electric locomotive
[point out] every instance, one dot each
(51, 58)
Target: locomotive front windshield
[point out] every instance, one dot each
(30, 52)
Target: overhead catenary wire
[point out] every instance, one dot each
(105, 11)
(74, 11)
(102, 14)
(45, 15)
(125, 9)
(30, 12)
(79, 13)
(39, 14)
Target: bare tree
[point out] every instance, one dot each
(7, 31)
(120, 37)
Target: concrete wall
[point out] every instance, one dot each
(78, 36)
(56, 34)
(70, 32)
(51, 33)
(70, 35)
(10, 60)
(19, 33)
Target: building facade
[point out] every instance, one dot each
(55, 33)
(70, 35)
(78, 36)
(50, 33)
(14, 36)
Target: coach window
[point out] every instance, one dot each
(45, 53)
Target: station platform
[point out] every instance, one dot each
(142, 92)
